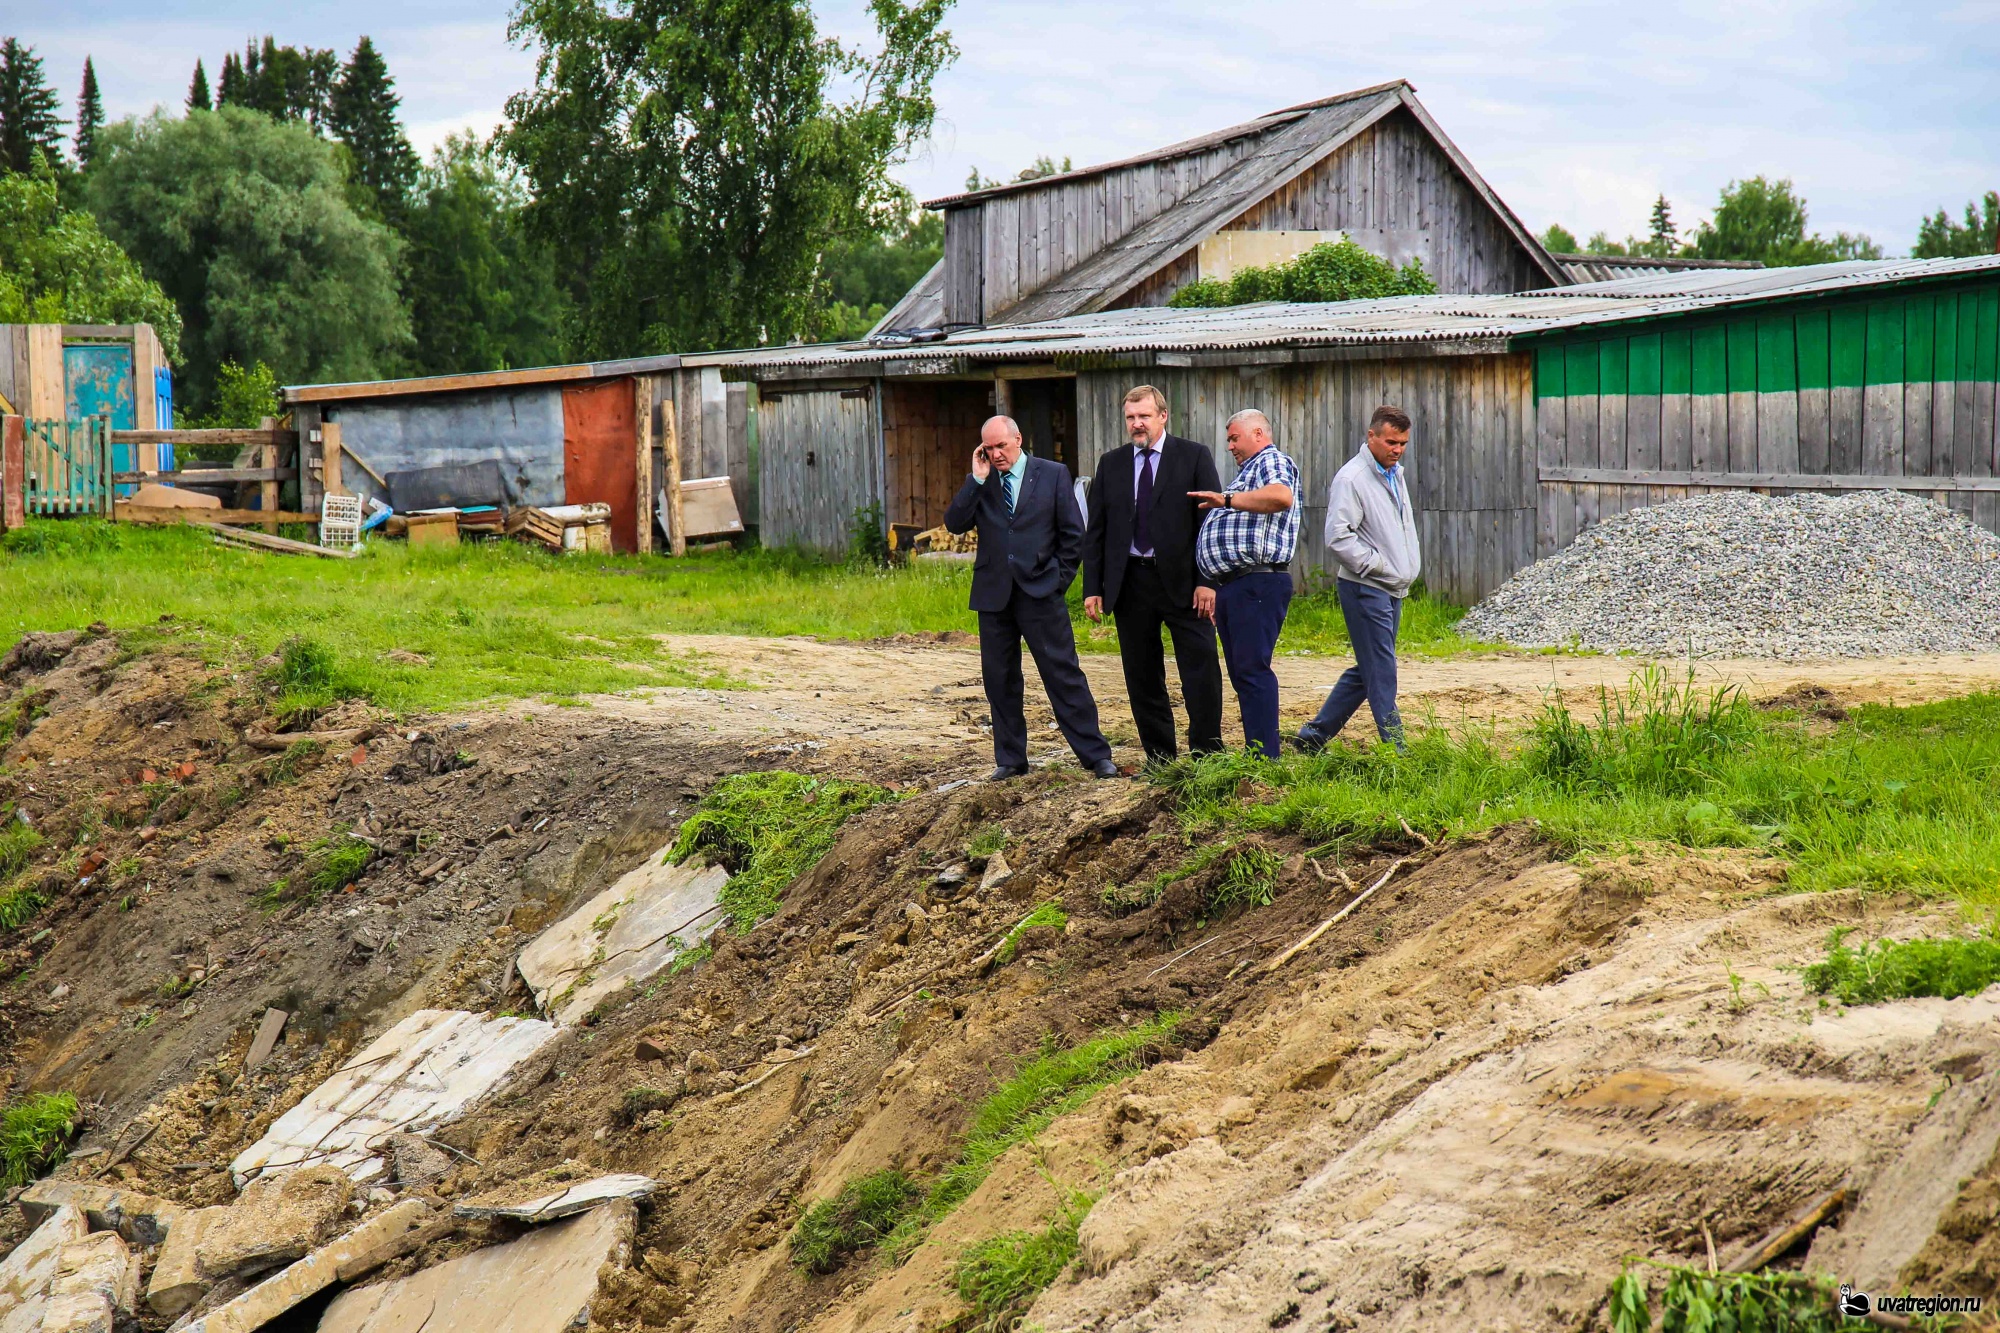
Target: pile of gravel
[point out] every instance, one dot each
(1737, 574)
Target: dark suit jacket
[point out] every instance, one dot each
(1184, 466)
(1035, 549)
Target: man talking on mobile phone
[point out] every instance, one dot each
(1030, 541)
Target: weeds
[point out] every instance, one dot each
(294, 760)
(19, 717)
(1124, 898)
(1694, 1301)
(767, 829)
(1251, 880)
(35, 1135)
(861, 1216)
(19, 903)
(1945, 968)
(1895, 799)
(639, 1102)
(335, 861)
(18, 845)
(1047, 914)
(987, 842)
(1057, 1081)
(308, 682)
(1000, 1277)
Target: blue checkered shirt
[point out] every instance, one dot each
(1233, 539)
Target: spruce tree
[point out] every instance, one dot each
(231, 91)
(1661, 243)
(89, 116)
(363, 116)
(198, 98)
(29, 125)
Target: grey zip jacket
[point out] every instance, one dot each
(1373, 534)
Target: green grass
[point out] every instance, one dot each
(18, 844)
(986, 842)
(1046, 914)
(767, 829)
(19, 904)
(1886, 970)
(860, 1217)
(34, 1136)
(1250, 881)
(999, 1278)
(1894, 799)
(334, 862)
(1055, 1082)
(498, 620)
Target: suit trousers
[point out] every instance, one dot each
(1249, 615)
(1143, 610)
(1373, 617)
(1044, 623)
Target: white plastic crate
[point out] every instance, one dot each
(340, 522)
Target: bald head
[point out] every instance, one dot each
(1000, 438)
(999, 428)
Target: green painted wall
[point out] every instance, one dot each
(1917, 337)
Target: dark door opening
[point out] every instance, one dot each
(1046, 410)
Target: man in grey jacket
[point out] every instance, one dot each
(1372, 530)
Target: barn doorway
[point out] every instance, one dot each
(929, 431)
(1046, 409)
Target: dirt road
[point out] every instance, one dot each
(903, 694)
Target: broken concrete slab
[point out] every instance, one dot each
(425, 1072)
(541, 1283)
(278, 1219)
(97, 1282)
(140, 1218)
(387, 1235)
(622, 936)
(30, 1269)
(571, 1199)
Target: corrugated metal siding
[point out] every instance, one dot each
(1471, 461)
(521, 427)
(820, 462)
(1844, 393)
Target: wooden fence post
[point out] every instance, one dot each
(267, 492)
(329, 474)
(13, 473)
(676, 520)
(642, 430)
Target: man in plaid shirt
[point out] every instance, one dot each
(1246, 545)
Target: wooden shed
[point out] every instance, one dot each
(1536, 414)
(622, 433)
(68, 372)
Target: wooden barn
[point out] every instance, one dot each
(1112, 242)
(622, 433)
(1536, 413)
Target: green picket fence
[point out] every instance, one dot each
(69, 467)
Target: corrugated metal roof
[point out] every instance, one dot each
(1609, 268)
(477, 380)
(1460, 319)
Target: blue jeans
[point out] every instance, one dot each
(1373, 617)
(1249, 612)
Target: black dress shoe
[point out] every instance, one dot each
(1002, 773)
(1105, 768)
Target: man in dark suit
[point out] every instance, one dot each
(1030, 536)
(1138, 561)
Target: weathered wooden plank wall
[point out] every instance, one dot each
(712, 424)
(820, 461)
(928, 430)
(1395, 192)
(1827, 396)
(1471, 463)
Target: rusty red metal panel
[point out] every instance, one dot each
(600, 454)
(13, 473)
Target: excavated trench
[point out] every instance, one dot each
(1463, 1106)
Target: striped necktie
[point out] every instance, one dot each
(1007, 489)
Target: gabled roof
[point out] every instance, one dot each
(1461, 323)
(1293, 142)
(1200, 144)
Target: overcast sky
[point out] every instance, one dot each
(1575, 113)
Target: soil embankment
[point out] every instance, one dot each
(1462, 1106)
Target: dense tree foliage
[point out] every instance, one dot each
(692, 160)
(56, 267)
(1938, 237)
(30, 129)
(283, 82)
(1766, 220)
(482, 295)
(1330, 271)
(246, 223)
(867, 274)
